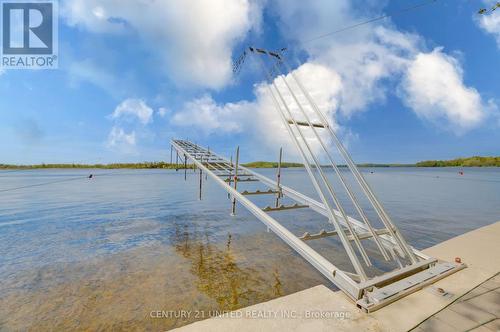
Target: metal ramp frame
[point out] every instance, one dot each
(414, 269)
(369, 294)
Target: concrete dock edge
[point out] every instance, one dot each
(321, 309)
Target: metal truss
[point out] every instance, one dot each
(368, 293)
(302, 118)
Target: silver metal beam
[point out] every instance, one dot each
(322, 234)
(284, 207)
(259, 192)
(305, 124)
(278, 180)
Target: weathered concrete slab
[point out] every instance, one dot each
(480, 249)
(478, 310)
(317, 299)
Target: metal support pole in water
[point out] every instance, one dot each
(233, 208)
(177, 161)
(201, 178)
(185, 167)
(230, 175)
(278, 179)
(206, 175)
(201, 181)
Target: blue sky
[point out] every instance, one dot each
(133, 74)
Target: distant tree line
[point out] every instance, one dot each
(143, 165)
(270, 164)
(463, 162)
(459, 162)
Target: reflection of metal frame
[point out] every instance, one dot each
(415, 270)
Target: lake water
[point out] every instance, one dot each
(103, 253)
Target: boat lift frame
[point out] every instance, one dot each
(218, 169)
(415, 269)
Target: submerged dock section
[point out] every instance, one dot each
(411, 270)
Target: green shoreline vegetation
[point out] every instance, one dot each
(271, 164)
(459, 162)
(462, 162)
(144, 165)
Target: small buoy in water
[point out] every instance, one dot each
(461, 172)
(371, 172)
(91, 176)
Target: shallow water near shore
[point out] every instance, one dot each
(109, 252)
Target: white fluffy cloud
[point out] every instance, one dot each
(345, 78)
(366, 64)
(119, 139)
(433, 87)
(365, 58)
(131, 109)
(260, 117)
(206, 115)
(322, 83)
(129, 118)
(194, 38)
(373, 60)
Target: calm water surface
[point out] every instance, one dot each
(102, 253)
